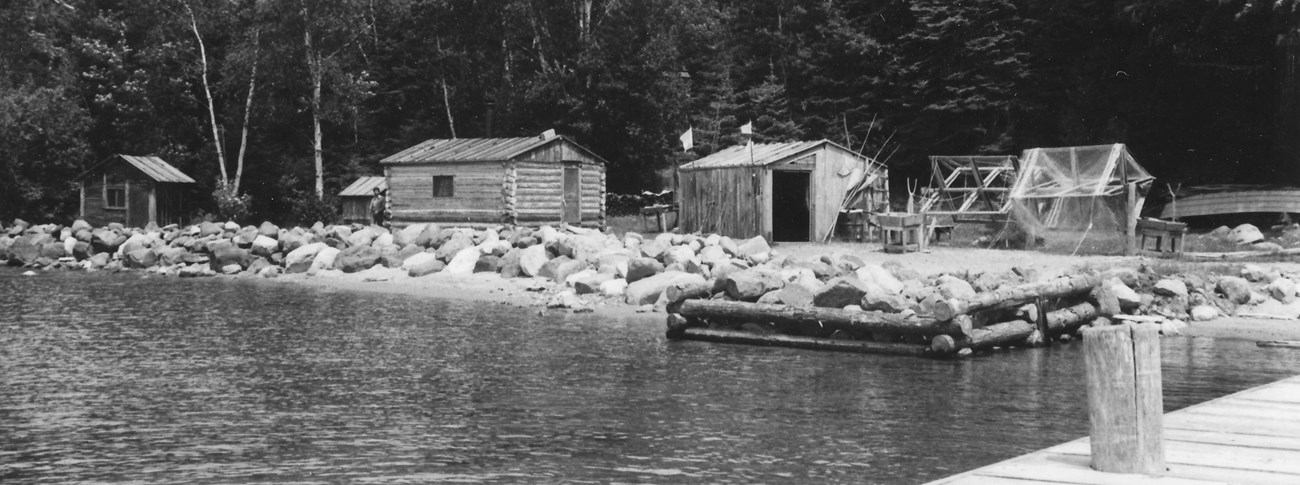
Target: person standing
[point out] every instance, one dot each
(379, 208)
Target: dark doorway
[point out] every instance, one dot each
(138, 210)
(790, 207)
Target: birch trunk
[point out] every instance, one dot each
(207, 92)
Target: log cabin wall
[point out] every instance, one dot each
(539, 193)
(95, 185)
(476, 197)
(728, 201)
(356, 209)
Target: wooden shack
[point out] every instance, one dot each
(356, 199)
(782, 191)
(547, 179)
(134, 191)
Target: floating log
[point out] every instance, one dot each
(1285, 344)
(830, 319)
(809, 343)
(680, 292)
(1015, 331)
(1016, 296)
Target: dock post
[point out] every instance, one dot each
(1125, 405)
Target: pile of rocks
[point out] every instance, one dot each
(1249, 236)
(1199, 296)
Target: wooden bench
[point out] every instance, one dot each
(659, 213)
(901, 232)
(1161, 231)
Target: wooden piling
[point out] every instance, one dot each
(1125, 405)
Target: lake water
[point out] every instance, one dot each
(126, 378)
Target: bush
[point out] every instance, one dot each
(231, 206)
(306, 209)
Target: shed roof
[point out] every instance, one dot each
(365, 186)
(764, 154)
(153, 167)
(441, 150)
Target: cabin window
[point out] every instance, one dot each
(443, 185)
(114, 192)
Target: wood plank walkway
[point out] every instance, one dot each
(1251, 437)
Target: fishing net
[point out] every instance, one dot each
(1075, 198)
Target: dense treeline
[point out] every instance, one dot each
(302, 96)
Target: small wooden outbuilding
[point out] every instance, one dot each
(547, 179)
(134, 191)
(782, 191)
(356, 199)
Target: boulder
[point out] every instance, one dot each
(1128, 299)
(678, 255)
(1235, 289)
(1104, 297)
(324, 260)
(1170, 287)
(1253, 273)
(843, 291)
(453, 246)
(1282, 289)
(509, 263)
(953, 287)
(384, 239)
(792, 295)
(653, 249)
(428, 236)
(1271, 247)
(881, 277)
(295, 239)
(532, 259)
(646, 291)
(1246, 234)
(300, 259)
(228, 254)
(210, 229)
(362, 258)
(79, 225)
(803, 277)
(265, 246)
(463, 262)
(408, 235)
(591, 283)
(614, 287)
(755, 249)
(245, 237)
(54, 250)
(140, 258)
(81, 250)
(563, 270)
(751, 284)
(269, 230)
(638, 268)
(729, 245)
(99, 260)
(417, 259)
(195, 270)
(1201, 313)
(487, 263)
(27, 248)
(394, 259)
(171, 256)
(614, 261)
(885, 302)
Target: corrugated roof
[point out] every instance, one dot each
(157, 169)
(475, 149)
(365, 186)
(764, 154)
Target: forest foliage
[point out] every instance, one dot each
(274, 105)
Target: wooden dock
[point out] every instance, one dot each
(1251, 437)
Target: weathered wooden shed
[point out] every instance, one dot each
(782, 191)
(135, 191)
(356, 199)
(547, 179)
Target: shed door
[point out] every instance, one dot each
(137, 204)
(572, 194)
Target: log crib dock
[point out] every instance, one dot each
(1022, 316)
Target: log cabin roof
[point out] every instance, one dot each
(765, 154)
(441, 150)
(153, 167)
(365, 186)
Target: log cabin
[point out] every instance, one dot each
(782, 191)
(135, 191)
(356, 199)
(479, 182)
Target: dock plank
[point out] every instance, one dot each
(1251, 437)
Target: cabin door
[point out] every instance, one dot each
(572, 194)
(137, 205)
(791, 206)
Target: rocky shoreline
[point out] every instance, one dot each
(580, 269)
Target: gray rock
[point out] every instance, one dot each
(423, 266)
(647, 291)
(300, 259)
(532, 259)
(1235, 289)
(1201, 313)
(842, 291)
(953, 287)
(268, 230)
(409, 234)
(751, 284)
(885, 302)
(756, 249)
(140, 259)
(792, 295)
(453, 246)
(591, 283)
(1282, 289)
(510, 263)
(563, 270)
(358, 259)
(1246, 234)
(228, 254)
(1253, 273)
(463, 262)
(638, 268)
(1170, 287)
(258, 265)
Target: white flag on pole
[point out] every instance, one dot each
(688, 139)
(747, 128)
